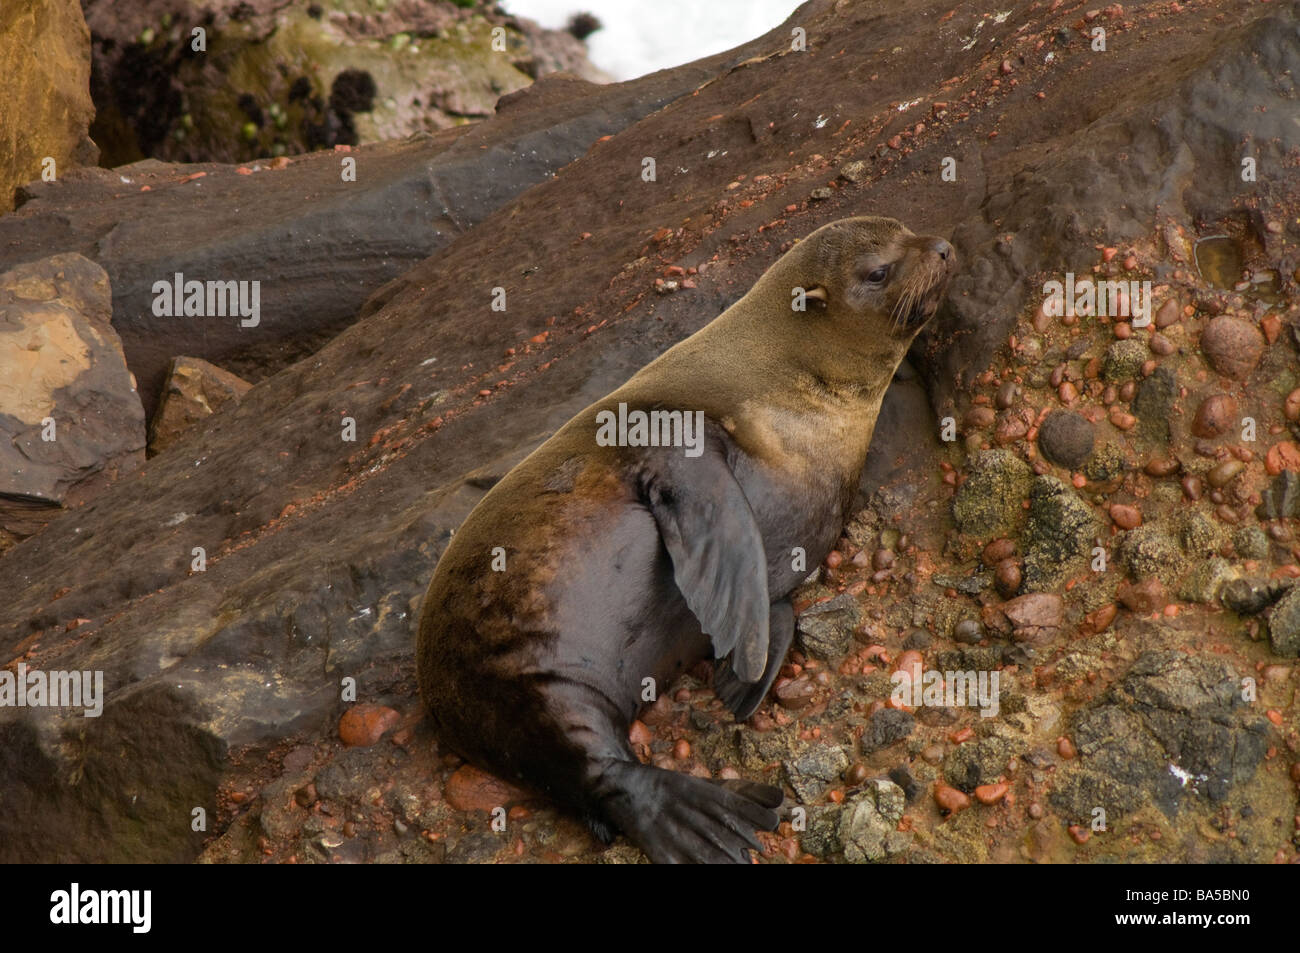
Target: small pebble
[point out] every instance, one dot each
(991, 793)
(1223, 473)
(1007, 578)
(949, 798)
(1216, 415)
(1125, 516)
(997, 551)
(1291, 406)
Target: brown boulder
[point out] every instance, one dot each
(194, 390)
(70, 417)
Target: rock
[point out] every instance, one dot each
(796, 694)
(886, 727)
(758, 749)
(1172, 730)
(917, 639)
(1143, 597)
(1284, 455)
(1221, 474)
(1284, 625)
(814, 769)
(822, 836)
(1123, 360)
(854, 171)
(1206, 580)
(1216, 415)
(1149, 551)
(975, 763)
(989, 502)
(968, 631)
(826, 629)
(1250, 542)
(1060, 534)
(45, 106)
(1199, 535)
(1282, 498)
(61, 361)
(317, 261)
(1035, 617)
(1249, 596)
(1154, 404)
(1105, 465)
(1065, 438)
(475, 848)
(363, 725)
(1232, 346)
(868, 823)
(363, 72)
(194, 390)
(469, 789)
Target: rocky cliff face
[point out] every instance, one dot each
(1039, 153)
(45, 105)
(224, 81)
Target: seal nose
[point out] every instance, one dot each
(941, 248)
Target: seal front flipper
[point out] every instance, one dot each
(743, 698)
(676, 818)
(719, 562)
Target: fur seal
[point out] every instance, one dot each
(624, 559)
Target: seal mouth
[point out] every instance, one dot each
(923, 289)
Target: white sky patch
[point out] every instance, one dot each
(639, 37)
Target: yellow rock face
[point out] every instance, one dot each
(45, 105)
(46, 353)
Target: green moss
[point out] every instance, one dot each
(991, 500)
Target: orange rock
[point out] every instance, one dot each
(362, 725)
(991, 793)
(1282, 456)
(949, 798)
(469, 789)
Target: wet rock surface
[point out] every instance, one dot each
(225, 684)
(1172, 729)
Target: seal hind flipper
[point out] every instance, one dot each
(719, 563)
(743, 698)
(676, 818)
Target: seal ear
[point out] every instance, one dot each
(719, 562)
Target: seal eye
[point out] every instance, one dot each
(879, 275)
